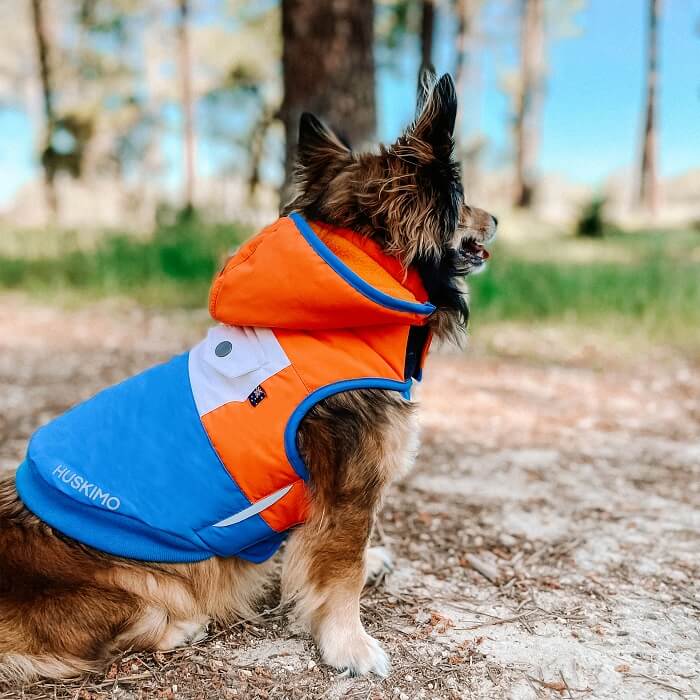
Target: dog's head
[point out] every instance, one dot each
(407, 196)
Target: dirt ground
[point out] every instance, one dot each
(546, 545)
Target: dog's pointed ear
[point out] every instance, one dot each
(318, 142)
(426, 80)
(436, 122)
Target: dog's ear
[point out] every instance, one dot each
(321, 156)
(317, 143)
(436, 122)
(426, 80)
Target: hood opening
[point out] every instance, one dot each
(294, 274)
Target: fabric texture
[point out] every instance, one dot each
(198, 457)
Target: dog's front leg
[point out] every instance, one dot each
(324, 574)
(353, 445)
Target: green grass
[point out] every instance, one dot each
(646, 280)
(655, 285)
(174, 267)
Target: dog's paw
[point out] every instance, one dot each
(180, 633)
(378, 564)
(357, 655)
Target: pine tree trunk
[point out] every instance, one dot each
(529, 100)
(467, 88)
(463, 12)
(648, 183)
(45, 77)
(183, 35)
(466, 13)
(427, 29)
(328, 64)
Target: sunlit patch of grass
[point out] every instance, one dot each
(616, 247)
(656, 287)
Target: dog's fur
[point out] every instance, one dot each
(66, 609)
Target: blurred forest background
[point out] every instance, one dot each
(141, 140)
(547, 544)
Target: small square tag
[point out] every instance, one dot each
(256, 396)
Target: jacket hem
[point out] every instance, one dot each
(53, 506)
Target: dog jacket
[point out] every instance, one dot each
(198, 457)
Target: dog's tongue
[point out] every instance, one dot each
(479, 250)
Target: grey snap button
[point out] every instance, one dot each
(223, 348)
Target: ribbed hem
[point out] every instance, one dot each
(108, 532)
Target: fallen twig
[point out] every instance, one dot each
(566, 685)
(500, 621)
(488, 571)
(125, 679)
(659, 682)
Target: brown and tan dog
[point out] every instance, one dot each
(65, 608)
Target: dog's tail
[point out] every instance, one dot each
(16, 669)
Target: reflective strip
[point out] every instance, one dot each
(255, 508)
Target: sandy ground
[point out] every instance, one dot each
(547, 544)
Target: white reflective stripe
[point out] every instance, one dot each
(255, 355)
(256, 508)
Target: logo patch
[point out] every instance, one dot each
(91, 491)
(256, 396)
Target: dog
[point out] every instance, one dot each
(67, 608)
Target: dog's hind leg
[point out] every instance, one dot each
(180, 633)
(378, 563)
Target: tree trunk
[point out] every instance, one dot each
(529, 100)
(648, 183)
(427, 29)
(42, 50)
(328, 65)
(183, 36)
(466, 12)
(463, 11)
(467, 90)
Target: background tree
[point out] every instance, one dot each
(328, 69)
(184, 61)
(427, 30)
(464, 11)
(88, 79)
(648, 182)
(102, 105)
(41, 40)
(470, 141)
(528, 101)
(249, 86)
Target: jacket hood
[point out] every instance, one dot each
(308, 276)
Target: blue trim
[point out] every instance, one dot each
(352, 278)
(290, 432)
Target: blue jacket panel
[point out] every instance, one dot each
(132, 472)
